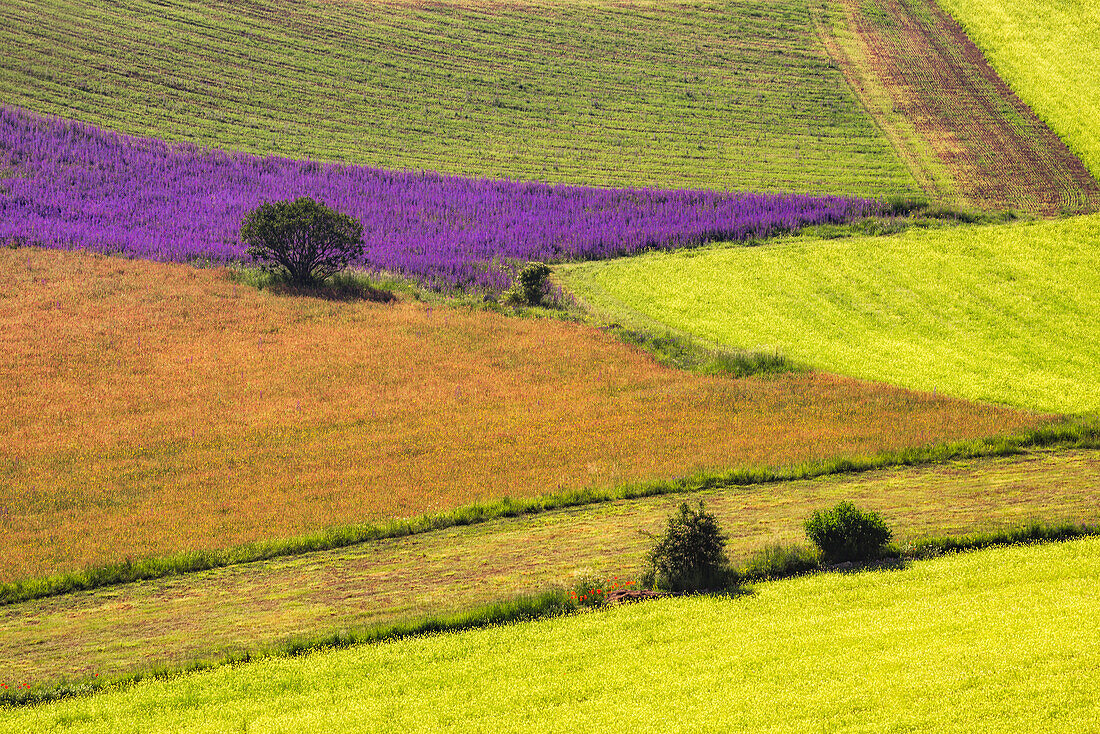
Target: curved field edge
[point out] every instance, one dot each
(914, 642)
(1064, 435)
(1005, 314)
(74, 186)
(217, 615)
(1049, 53)
(153, 409)
(734, 95)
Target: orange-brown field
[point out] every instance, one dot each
(154, 408)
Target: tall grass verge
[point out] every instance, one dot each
(682, 352)
(1069, 435)
(770, 563)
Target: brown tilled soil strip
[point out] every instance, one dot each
(918, 72)
(120, 629)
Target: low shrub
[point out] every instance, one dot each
(530, 285)
(690, 555)
(846, 533)
(780, 560)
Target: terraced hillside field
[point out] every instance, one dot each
(995, 641)
(723, 94)
(1007, 314)
(1049, 53)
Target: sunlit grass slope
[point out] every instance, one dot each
(173, 621)
(1006, 313)
(993, 641)
(1049, 53)
(152, 408)
(725, 94)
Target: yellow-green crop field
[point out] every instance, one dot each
(1006, 314)
(1049, 54)
(993, 641)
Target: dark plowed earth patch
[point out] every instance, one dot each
(998, 151)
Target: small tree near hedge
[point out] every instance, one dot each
(690, 555)
(846, 533)
(303, 240)
(529, 286)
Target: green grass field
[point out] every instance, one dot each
(725, 94)
(1049, 53)
(1005, 313)
(993, 641)
(124, 629)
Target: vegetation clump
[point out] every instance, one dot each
(529, 288)
(301, 240)
(846, 533)
(683, 352)
(690, 555)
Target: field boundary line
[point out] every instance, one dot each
(546, 604)
(1064, 434)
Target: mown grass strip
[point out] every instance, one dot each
(1065, 435)
(542, 605)
(766, 565)
(731, 95)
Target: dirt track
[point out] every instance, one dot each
(933, 81)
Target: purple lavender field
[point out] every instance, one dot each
(68, 185)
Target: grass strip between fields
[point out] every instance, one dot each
(1076, 434)
(525, 607)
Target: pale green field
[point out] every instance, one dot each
(1049, 52)
(1006, 314)
(995, 641)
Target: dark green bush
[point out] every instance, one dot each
(529, 286)
(690, 555)
(302, 240)
(846, 533)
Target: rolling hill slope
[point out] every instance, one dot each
(1005, 313)
(722, 94)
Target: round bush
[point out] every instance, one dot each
(529, 286)
(690, 555)
(302, 240)
(846, 533)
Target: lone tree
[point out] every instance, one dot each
(303, 240)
